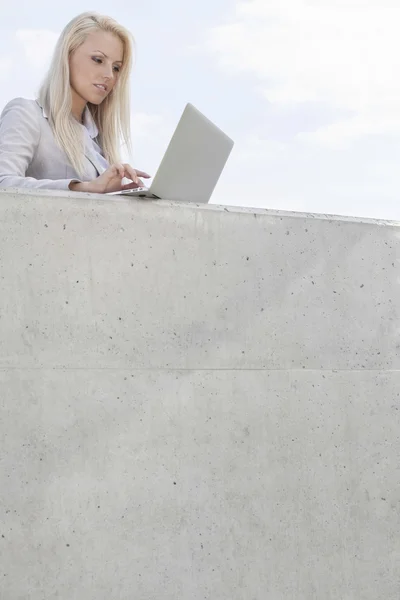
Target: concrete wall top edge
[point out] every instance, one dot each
(126, 202)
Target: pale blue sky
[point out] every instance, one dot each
(309, 91)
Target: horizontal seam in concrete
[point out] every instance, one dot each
(127, 369)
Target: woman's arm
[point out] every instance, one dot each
(19, 139)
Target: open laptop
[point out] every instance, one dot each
(192, 164)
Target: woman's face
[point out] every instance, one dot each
(94, 68)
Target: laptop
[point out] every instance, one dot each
(192, 164)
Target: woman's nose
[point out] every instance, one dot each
(108, 71)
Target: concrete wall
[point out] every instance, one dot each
(197, 402)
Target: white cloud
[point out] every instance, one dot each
(38, 46)
(346, 55)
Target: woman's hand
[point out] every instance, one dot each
(111, 180)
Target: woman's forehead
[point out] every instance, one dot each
(106, 42)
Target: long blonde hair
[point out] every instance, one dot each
(112, 116)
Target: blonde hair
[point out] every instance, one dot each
(112, 116)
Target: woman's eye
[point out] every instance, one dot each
(97, 59)
(117, 69)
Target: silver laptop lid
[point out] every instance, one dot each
(193, 161)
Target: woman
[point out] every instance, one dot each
(69, 137)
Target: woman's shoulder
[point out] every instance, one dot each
(22, 105)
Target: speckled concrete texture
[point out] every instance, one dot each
(197, 402)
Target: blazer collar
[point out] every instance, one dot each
(88, 121)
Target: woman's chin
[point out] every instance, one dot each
(96, 100)
(96, 97)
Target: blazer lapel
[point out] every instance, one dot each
(91, 132)
(91, 156)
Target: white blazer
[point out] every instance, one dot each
(31, 158)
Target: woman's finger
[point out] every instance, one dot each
(118, 170)
(130, 186)
(142, 174)
(131, 173)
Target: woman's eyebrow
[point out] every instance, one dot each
(105, 55)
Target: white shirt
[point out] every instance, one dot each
(91, 132)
